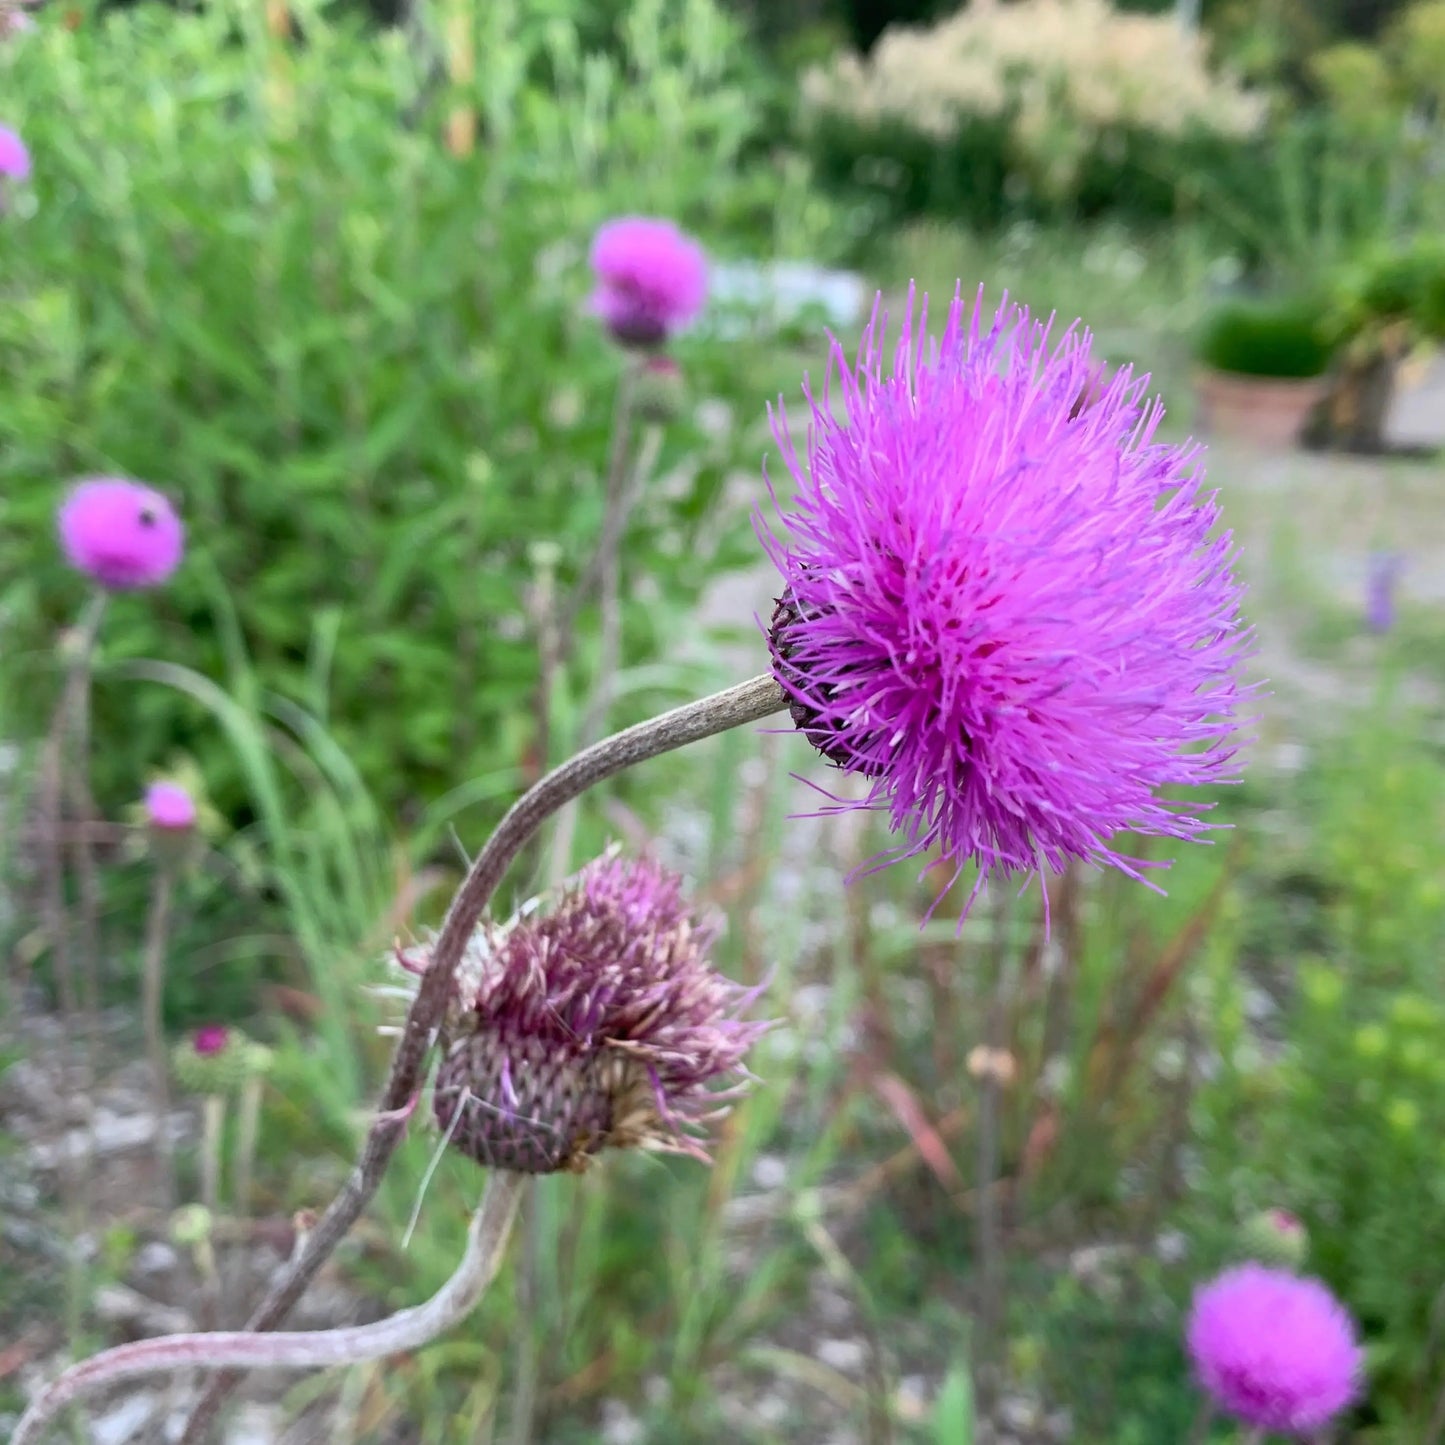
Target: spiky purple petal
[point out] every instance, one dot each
(1003, 600)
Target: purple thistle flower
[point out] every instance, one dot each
(210, 1039)
(651, 279)
(14, 156)
(123, 534)
(1007, 611)
(170, 808)
(1274, 1350)
(1384, 575)
(596, 1024)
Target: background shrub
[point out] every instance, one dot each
(256, 278)
(1259, 339)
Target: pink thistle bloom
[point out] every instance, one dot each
(597, 1023)
(210, 1039)
(14, 156)
(1274, 1350)
(169, 807)
(651, 279)
(122, 534)
(1009, 612)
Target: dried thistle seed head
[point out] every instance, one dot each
(595, 1024)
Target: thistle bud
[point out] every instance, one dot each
(1275, 1237)
(661, 390)
(213, 1060)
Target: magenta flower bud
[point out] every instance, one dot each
(596, 1024)
(170, 808)
(1014, 616)
(14, 156)
(124, 535)
(651, 279)
(1275, 1351)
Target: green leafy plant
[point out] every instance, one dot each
(1279, 339)
(1336, 1114)
(257, 277)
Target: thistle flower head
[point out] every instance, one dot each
(1009, 612)
(122, 534)
(596, 1023)
(14, 156)
(651, 279)
(1274, 1350)
(216, 1059)
(170, 808)
(1275, 1237)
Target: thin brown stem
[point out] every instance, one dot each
(609, 651)
(748, 702)
(52, 791)
(614, 517)
(988, 1231)
(1203, 1419)
(300, 1350)
(213, 1123)
(152, 994)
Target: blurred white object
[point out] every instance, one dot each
(780, 292)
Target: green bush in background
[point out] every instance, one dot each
(256, 277)
(1262, 339)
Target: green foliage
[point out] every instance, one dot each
(1280, 339)
(254, 275)
(1337, 1120)
(953, 1410)
(1401, 285)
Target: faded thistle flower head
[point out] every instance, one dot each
(594, 1023)
(651, 279)
(1274, 1350)
(1011, 613)
(122, 534)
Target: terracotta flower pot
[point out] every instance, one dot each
(1265, 411)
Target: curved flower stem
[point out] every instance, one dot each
(304, 1349)
(736, 706)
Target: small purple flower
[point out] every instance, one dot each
(121, 533)
(210, 1039)
(170, 808)
(651, 279)
(1384, 575)
(1274, 1350)
(14, 156)
(1013, 615)
(595, 1024)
